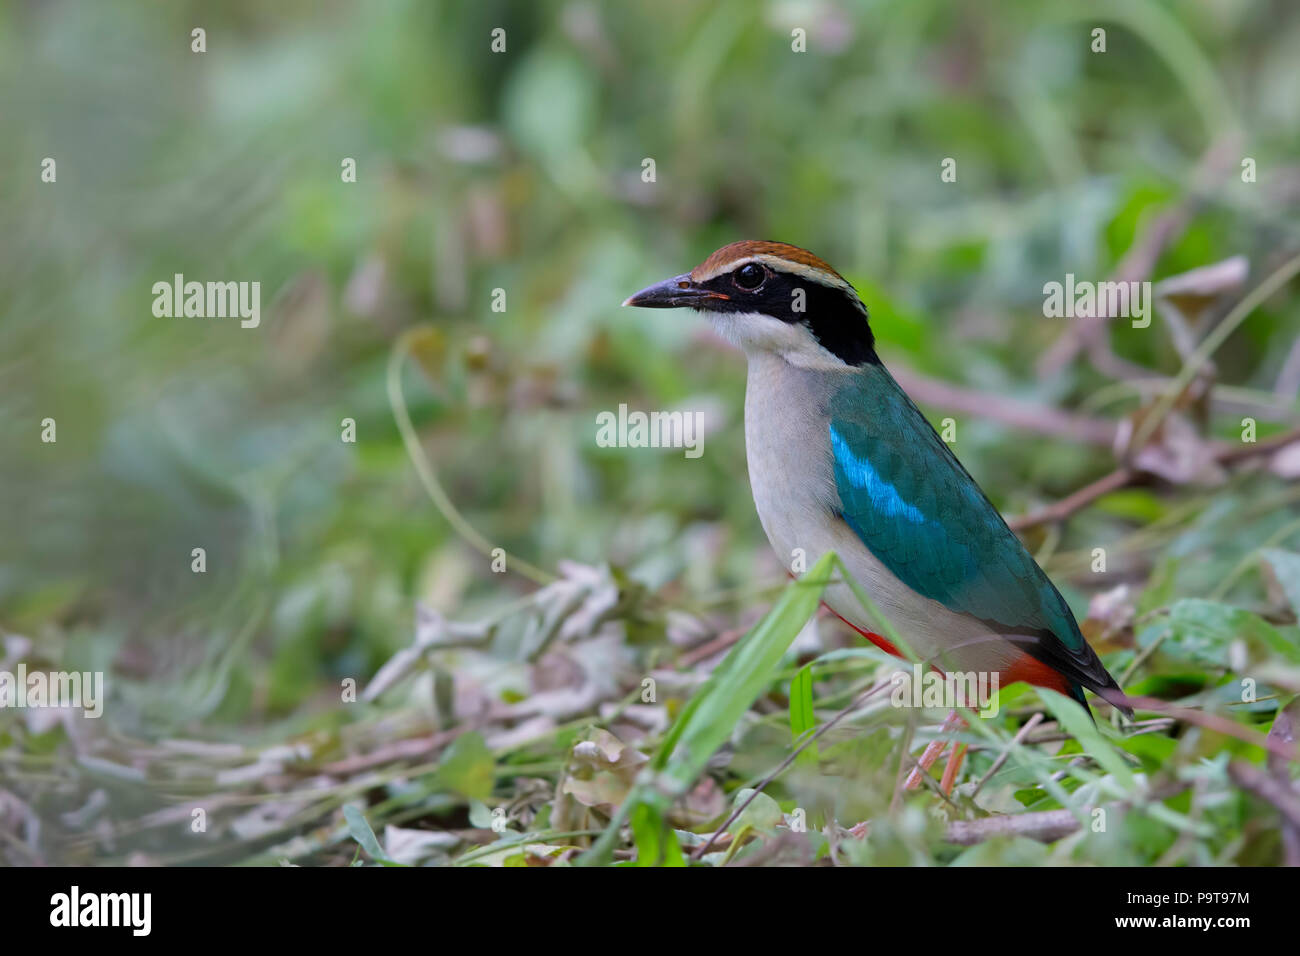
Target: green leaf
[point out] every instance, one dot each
(656, 843)
(480, 815)
(361, 832)
(1155, 750)
(1170, 686)
(467, 767)
(802, 717)
(763, 813)
(1134, 504)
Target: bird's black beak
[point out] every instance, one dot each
(675, 293)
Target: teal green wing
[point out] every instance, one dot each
(915, 507)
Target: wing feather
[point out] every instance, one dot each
(914, 506)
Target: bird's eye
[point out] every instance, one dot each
(750, 276)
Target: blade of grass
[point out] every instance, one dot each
(802, 717)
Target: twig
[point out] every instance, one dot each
(1214, 722)
(1117, 479)
(1124, 476)
(389, 753)
(1028, 416)
(710, 647)
(1233, 453)
(1046, 827)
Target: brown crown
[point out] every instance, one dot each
(736, 251)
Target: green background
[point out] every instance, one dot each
(522, 171)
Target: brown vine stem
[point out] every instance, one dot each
(1124, 476)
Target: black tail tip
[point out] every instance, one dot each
(1116, 698)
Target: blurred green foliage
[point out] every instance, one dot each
(522, 171)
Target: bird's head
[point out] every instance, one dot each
(773, 297)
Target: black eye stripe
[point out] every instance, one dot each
(833, 316)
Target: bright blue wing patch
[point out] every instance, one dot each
(922, 516)
(859, 473)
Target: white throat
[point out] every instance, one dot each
(757, 334)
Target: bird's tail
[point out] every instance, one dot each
(1114, 695)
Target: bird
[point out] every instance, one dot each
(840, 459)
